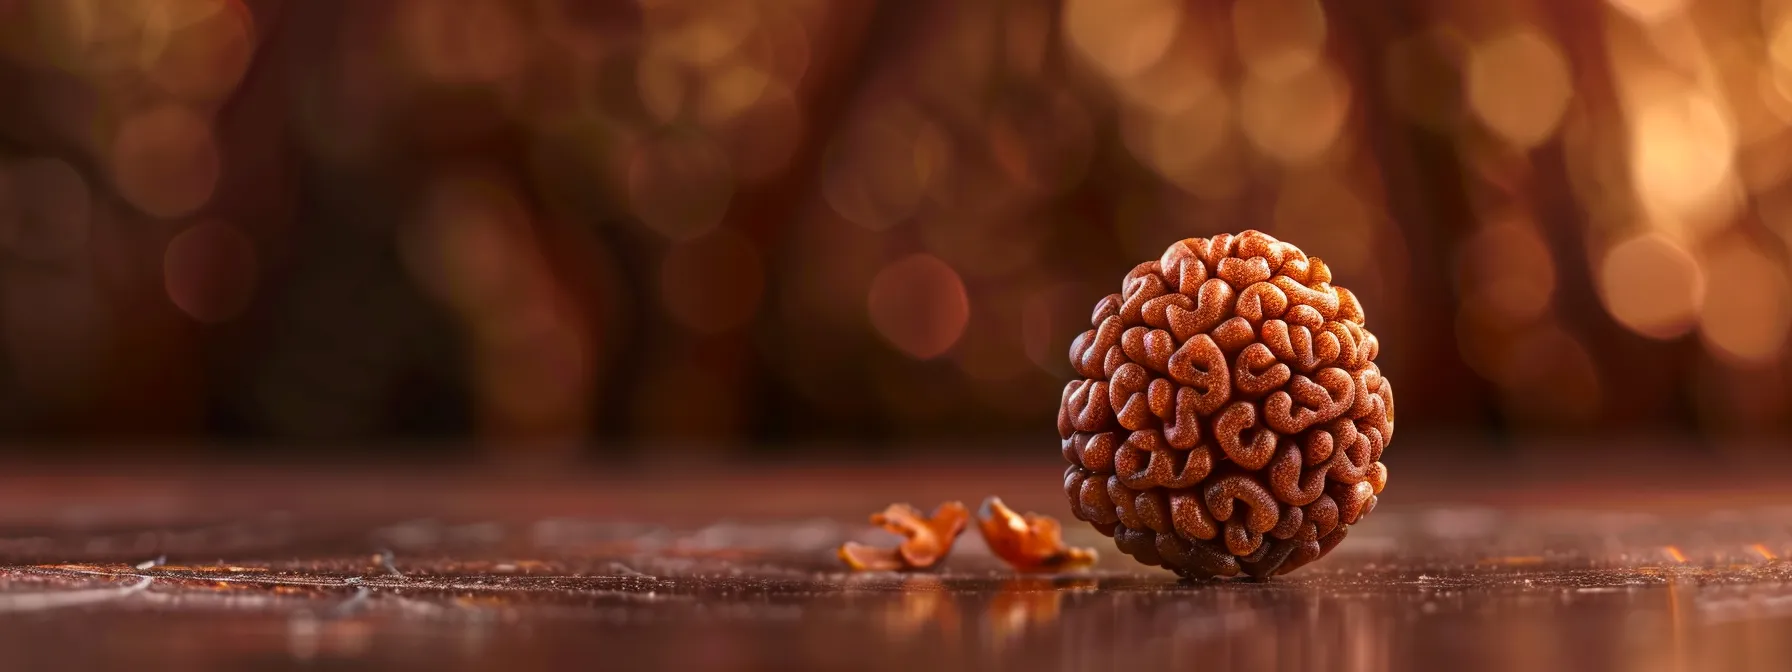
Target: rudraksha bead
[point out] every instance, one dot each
(1228, 416)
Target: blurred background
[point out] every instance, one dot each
(661, 228)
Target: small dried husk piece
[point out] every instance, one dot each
(1029, 543)
(926, 540)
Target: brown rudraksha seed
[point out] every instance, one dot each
(1229, 417)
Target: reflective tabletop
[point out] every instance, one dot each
(213, 568)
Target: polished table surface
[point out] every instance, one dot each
(1671, 563)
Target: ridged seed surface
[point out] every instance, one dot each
(1229, 417)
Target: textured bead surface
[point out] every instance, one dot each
(1228, 416)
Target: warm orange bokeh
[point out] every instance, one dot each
(731, 219)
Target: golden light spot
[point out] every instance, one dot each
(1278, 38)
(716, 62)
(919, 305)
(1650, 11)
(680, 184)
(1761, 550)
(1518, 560)
(1519, 85)
(1296, 118)
(1747, 308)
(1681, 149)
(209, 271)
(165, 161)
(1122, 37)
(1178, 145)
(1507, 267)
(713, 283)
(1674, 552)
(730, 91)
(1652, 285)
(207, 54)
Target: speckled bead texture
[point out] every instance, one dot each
(1228, 417)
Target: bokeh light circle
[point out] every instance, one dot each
(1652, 285)
(1122, 37)
(919, 305)
(165, 161)
(1519, 86)
(1747, 307)
(206, 58)
(1682, 147)
(1295, 118)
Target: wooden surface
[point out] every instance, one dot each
(1675, 563)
